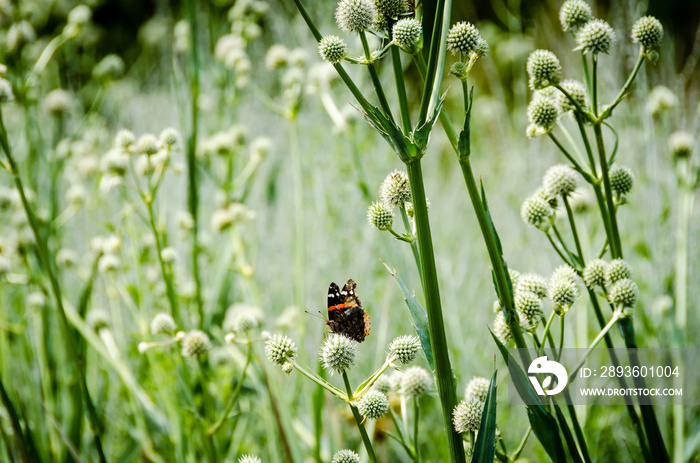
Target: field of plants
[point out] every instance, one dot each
(182, 182)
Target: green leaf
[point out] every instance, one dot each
(418, 317)
(543, 423)
(464, 149)
(564, 426)
(485, 446)
(421, 134)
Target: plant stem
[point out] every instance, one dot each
(375, 77)
(625, 88)
(615, 245)
(572, 224)
(401, 89)
(601, 335)
(358, 419)
(234, 397)
(416, 416)
(443, 369)
(167, 277)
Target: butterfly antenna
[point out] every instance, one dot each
(319, 316)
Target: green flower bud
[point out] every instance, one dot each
(373, 405)
(681, 144)
(577, 90)
(574, 14)
(169, 137)
(621, 180)
(543, 69)
(355, 15)
(408, 35)
(395, 190)
(332, 49)
(386, 10)
(625, 293)
(338, 352)
(648, 32)
(537, 212)
(529, 306)
(563, 291)
(380, 216)
(533, 283)
(501, 328)
(147, 144)
(595, 37)
(383, 385)
(464, 38)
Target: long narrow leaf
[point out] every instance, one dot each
(485, 446)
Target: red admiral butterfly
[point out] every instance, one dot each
(345, 313)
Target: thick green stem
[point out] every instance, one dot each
(431, 290)
(358, 419)
(401, 89)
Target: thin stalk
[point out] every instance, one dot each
(587, 144)
(375, 77)
(401, 89)
(586, 74)
(625, 88)
(595, 84)
(547, 334)
(562, 326)
(167, 278)
(521, 445)
(358, 420)
(56, 289)
(443, 369)
(615, 245)
(234, 397)
(207, 411)
(192, 189)
(399, 429)
(556, 248)
(414, 243)
(320, 381)
(615, 317)
(574, 231)
(560, 238)
(416, 416)
(564, 151)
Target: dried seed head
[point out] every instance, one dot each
(332, 49)
(163, 323)
(621, 180)
(543, 69)
(355, 15)
(467, 415)
(574, 14)
(373, 405)
(380, 216)
(280, 349)
(595, 37)
(405, 348)
(195, 343)
(338, 352)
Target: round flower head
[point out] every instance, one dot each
(383, 385)
(533, 283)
(464, 38)
(111, 67)
(338, 352)
(529, 306)
(395, 189)
(681, 144)
(574, 14)
(147, 144)
(624, 293)
(543, 113)
(97, 319)
(543, 69)
(477, 387)
(169, 255)
(594, 273)
(560, 180)
(648, 32)
(109, 263)
(124, 139)
(355, 15)
(552, 200)
(577, 90)
(280, 349)
(373, 405)
(249, 459)
(346, 456)
(467, 415)
(163, 323)
(501, 328)
(407, 34)
(563, 291)
(415, 381)
(405, 348)
(514, 276)
(595, 37)
(58, 102)
(565, 272)
(195, 343)
(81, 14)
(621, 180)
(617, 269)
(537, 212)
(169, 137)
(380, 216)
(332, 49)
(388, 9)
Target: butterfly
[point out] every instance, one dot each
(345, 313)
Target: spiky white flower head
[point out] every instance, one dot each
(249, 459)
(6, 94)
(405, 348)
(380, 216)
(466, 416)
(543, 69)
(373, 405)
(621, 180)
(537, 212)
(594, 273)
(395, 190)
(81, 14)
(66, 257)
(408, 35)
(242, 317)
(338, 352)
(533, 283)
(147, 144)
(681, 144)
(624, 292)
(19, 34)
(529, 306)
(163, 323)
(560, 180)
(345, 456)
(109, 263)
(277, 57)
(648, 32)
(574, 14)
(355, 15)
(617, 269)
(415, 382)
(58, 102)
(280, 349)
(661, 99)
(477, 387)
(383, 385)
(195, 343)
(577, 90)
(563, 291)
(465, 38)
(332, 49)
(169, 137)
(109, 68)
(597, 36)
(124, 139)
(169, 255)
(543, 113)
